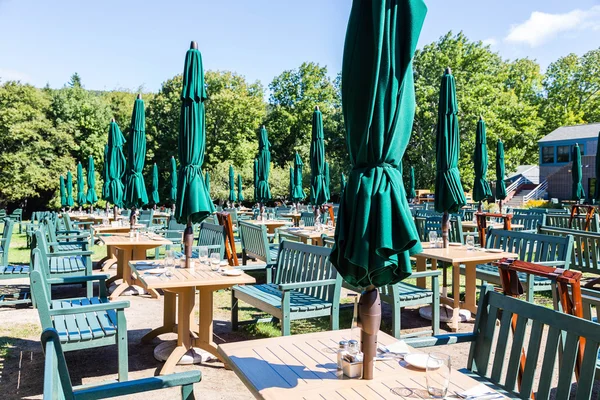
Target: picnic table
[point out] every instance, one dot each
(457, 255)
(111, 255)
(310, 235)
(180, 293)
(131, 249)
(295, 217)
(270, 224)
(305, 367)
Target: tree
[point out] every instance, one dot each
(75, 81)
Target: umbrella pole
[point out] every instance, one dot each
(500, 206)
(188, 240)
(369, 311)
(480, 206)
(132, 218)
(445, 228)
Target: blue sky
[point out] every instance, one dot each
(128, 44)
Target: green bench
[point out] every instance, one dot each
(585, 256)
(494, 360)
(81, 323)
(305, 285)
(57, 380)
(255, 245)
(531, 247)
(563, 221)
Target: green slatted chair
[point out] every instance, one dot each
(494, 359)
(530, 222)
(562, 221)
(255, 245)
(81, 323)
(17, 217)
(585, 256)
(10, 272)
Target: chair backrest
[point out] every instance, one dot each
(533, 247)
(530, 222)
(175, 229)
(40, 290)
(282, 210)
(528, 211)
(308, 218)
(254, 241)
(233, 213)
(433, 223)
(125, 213)
(212, 235)
(563, 221)
(549, 331)
(49, 229)
(427, 213)
(298, 262)
(5, 239)
(67, 221)
(591, 300)
(17, 214)
(585, 256)
(146, 217)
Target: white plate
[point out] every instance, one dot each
(494, 250)
(232, 272)
(417, 360)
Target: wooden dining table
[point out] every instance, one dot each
(295, 217)
(457, 255)
(180, 298)
(305, 367)
(128, 249)
(271, 224)
(111, 255)
(310, 235)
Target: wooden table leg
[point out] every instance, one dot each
(421, 266)
(123, 271)
(205, 331)
(139, 253)
(456, 296)
(169, 324)
(110, 259)
(185, 312)
(470, 287)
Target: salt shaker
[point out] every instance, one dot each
(342, 350)
(354, 350)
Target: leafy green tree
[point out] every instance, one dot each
(75, 81)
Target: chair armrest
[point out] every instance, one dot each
(67, 232)
(170, 231)
(115, 305)
(71, 253)
(425, 274)
(78, 279)
(300, 285)
(440, 340)
(139, 385)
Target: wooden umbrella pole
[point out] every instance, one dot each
(188, 240)
(445, 228)
(132, 219)
(480, 206)
(500, 206)
(115, 212)
(369, 311)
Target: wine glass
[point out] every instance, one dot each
(215, 261)
(301, 223)
(432, 238)
(203, 255)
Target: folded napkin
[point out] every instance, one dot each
(398, 347)
(482, 392)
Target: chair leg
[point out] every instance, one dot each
(234, 312)
(89, 289)
(396, 320)
(187, 392)
(285, 325)
(435, 305)
(122, 346)
(334, 319)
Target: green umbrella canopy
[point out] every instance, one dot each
(342, 182)
(69, 189)
(255, 170)
(412, 192)
(116, 165)
(240, 190)
(577, 192)
(297, 191)
(375, 232)
(207, 182)
(193, 199)
(91, 197)
(232, 196)
(135, 190)
(173, 191)
(449, 193)
(63, 192)
(481, 187)
(500, 185)
(154, 194)
(80, 187)
(263, 191)
(597, 188)
(319, 193)
(105, 174)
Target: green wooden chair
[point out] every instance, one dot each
(305, 285)
(563, 220)
(585, 256)
(63, 240)
(146, 217)
(308, 218)
(11, 272)
(531, 247)
(255, 245)
(530, 222)
(17, 217)
(81, 323)
(491, 348)
(404, 294)
(173, 232)
(57, 381)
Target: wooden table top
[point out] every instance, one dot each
(460, 254)
(310, 232)
(110, 228)
(151, 239)
(273, 222)
(305, 367)
(187, 277)
(495, 225)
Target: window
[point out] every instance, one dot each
(547, 155)
(563, 153)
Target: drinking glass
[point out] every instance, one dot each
(470, 241)
(329, 224)
(264, 217)
(215, 261)
(203, 255)
(169, 262)
(432, 238)
(438, 374)
(301, 223)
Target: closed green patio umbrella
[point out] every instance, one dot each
(135, 190)
(481, 187)
(155, 196)
(63, 192)
(255, 171)
(263, 190)
(105, 176)
(69, 189)
(80, 186)
(342, 182)
(193, 199)
(297, 191)
(291, 186)
(319, 192)
(173, 181)
(232, 197)
(240, 191)
(500, 185)
(116, 166)
(449, 193)
(577, 192)
(597, 188)
(375, 233)
(91, 198)
(412, 192)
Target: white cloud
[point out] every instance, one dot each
(490, 41)
(12, 75)
(541, 27)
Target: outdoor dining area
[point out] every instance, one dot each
(374, 296)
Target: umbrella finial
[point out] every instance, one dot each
(316, 108)
(194, 45)
(263, 127)
(139, 96)
(448, 70)
(112, 119)
(481, 117)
